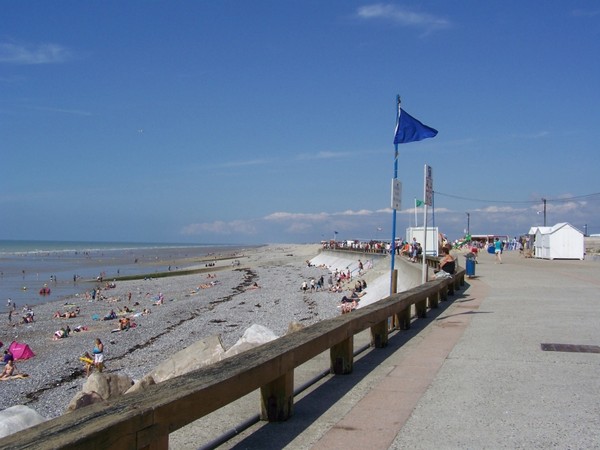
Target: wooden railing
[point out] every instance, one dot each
(144, 420)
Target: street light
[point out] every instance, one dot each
(468, 223)
(544, 200)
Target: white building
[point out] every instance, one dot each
(432, 245)
(561, 241)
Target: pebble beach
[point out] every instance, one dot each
(218, 300)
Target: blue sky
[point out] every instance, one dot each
(273, 121)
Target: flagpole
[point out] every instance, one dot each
(424, 253)
(416, 221)
(433, 210)
(393, 243)
(408, 129)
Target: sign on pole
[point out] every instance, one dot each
(396, 194)
(428, 186)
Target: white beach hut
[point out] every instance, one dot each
(561, 241)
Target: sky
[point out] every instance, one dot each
(272, 121)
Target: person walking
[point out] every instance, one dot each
(498, 250)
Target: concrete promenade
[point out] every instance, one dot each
(472, 375)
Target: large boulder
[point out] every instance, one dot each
(100, 387)
(83, 399)
(17, 418)
(202, 353)
(142, 385)
(254, 336)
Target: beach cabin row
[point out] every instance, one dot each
(561, 241)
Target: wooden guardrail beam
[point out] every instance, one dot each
(144, 420)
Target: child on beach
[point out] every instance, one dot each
(89, 363)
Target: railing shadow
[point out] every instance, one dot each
(312, 406)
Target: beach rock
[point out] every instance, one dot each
(83, 399)
(294, 326)
(202, 353)
(141, 385)
(100, 387)
(254, 336)
(17, 418)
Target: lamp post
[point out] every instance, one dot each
(468, 224)
(544, 200)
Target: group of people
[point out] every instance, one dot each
(412, 250)
(313, 285)
(67, 314)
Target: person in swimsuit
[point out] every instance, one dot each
(98, 355)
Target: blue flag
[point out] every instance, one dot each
(409, 129)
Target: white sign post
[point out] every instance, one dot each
(396, 194)
(428, 195)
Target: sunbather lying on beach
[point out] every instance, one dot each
(66, 314)
(124, 324)
(348, 304)
(61, 334)
(111, 315)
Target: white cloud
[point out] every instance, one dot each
(323, 155)
(234, 227)
(536, 135)
(494, 209)
(75, 112)
(282, 226)
(362, 212)
(402, 16)
(33, 54)
(239, 163)
(285, 216)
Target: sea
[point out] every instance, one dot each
(69, 267)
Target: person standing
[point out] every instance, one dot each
(498, 250)
(98, 354)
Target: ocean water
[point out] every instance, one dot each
(69, 268)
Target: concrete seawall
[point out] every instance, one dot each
(376, 274)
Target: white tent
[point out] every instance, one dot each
(561, 241)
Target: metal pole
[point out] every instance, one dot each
(393, 243)
(424, 251)
(468, 223)
(416, 221)
(433, 210)
(544, 200)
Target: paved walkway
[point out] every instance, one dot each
(472, 375)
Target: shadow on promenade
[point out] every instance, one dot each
(313, 405)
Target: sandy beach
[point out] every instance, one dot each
(194, 307)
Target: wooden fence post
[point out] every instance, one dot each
(277, 398)
(421, 308)
(379, 334)
(342, 357)
(404, 318)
